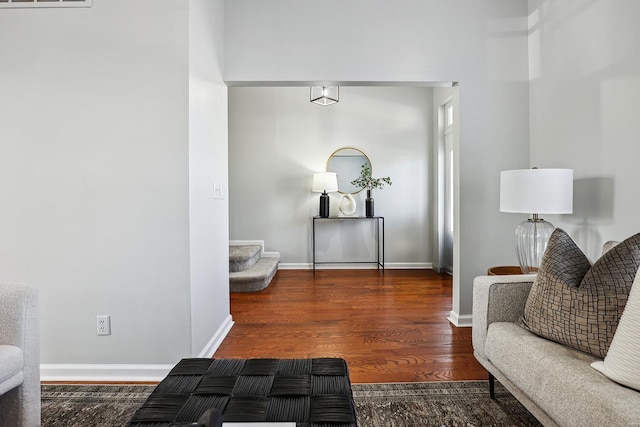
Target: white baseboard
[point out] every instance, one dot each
(104, 372)
(255, 242)
(355, 266)
(246, 242)
(217, 338)
(126, 372)
(294, 266)
(461, 321)
(408, 265)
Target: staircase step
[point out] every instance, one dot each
(243, 257)
(256, 278)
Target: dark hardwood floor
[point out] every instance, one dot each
(389, 327)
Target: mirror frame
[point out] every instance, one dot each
(357, 173)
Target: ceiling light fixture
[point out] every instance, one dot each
(325, 95)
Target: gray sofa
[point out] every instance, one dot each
(19, 357)
(555, 383)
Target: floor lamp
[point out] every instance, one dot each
(535, 191)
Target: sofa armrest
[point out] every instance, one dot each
(19, 327)
(18, 315)
(497, 299)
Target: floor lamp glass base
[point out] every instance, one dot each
(531, 241)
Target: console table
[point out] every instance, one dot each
(379, 240)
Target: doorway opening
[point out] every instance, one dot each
(280, 141)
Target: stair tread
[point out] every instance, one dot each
(256, 278)
(261, 268)
(243, 257)
(237, 253)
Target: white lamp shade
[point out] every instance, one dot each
(325, 181)
(537, 191)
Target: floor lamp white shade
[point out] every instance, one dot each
(535, 191)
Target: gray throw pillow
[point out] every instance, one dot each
(576, 304)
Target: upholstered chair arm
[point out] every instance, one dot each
(497, 299)
(18, 313)
(19, 327)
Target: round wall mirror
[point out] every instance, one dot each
(346, 163)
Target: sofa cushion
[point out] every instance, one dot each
(559, 379)
(11, 364)
(622, 363)
(576, 304)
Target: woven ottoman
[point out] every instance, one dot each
(309, 392)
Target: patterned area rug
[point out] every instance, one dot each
(91, 405)
(460, 403)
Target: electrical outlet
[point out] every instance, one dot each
(103, 324)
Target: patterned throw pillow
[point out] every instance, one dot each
(576, 304)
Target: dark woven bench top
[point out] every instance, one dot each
(310, 392)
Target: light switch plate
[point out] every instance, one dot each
(218, 190)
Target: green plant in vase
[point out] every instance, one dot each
(365, 180)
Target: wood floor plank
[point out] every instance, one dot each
(389, 326)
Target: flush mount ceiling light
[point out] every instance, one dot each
(324, 95)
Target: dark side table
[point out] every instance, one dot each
(504, 270)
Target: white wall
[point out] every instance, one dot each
(209, 217)
(585, 98)
(482, 45)
(278, 139)
(95, 176)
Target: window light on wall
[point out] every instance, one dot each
(44, 3)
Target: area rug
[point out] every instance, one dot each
(91, 405)
(455, 404)
(459, 403)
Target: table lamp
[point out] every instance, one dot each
(535, 191)
(324, 182)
